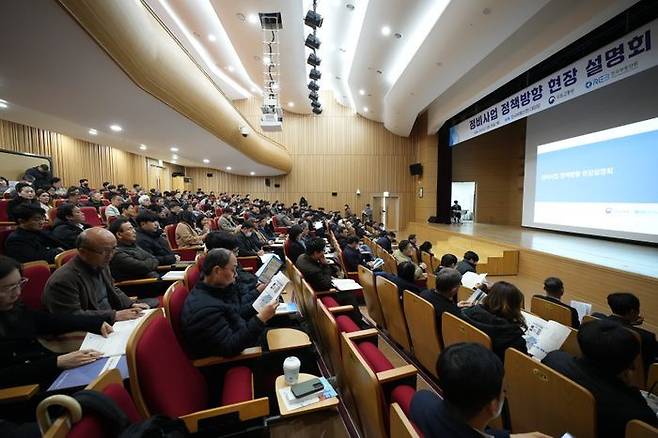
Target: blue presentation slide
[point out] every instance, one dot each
(620, 170)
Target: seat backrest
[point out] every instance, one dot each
(550, 311)
(455, 330)
(64, 257)
(170, 232)
(191, 276)
(464, 293)
(390, 265)
(364, 387)
(330, 338)
(640, 429)
(174, 299)
(200, 260)
(396, 325)
(59, 202)
(4, 233)
(426, 258)
(102, 212)
(52, 215)
(91, 216)
(37, 274)
(162, 378)
(4, 212)
(249, 262)
(540, 398)
(570, 345)
(367, 281)
(423, 331)
(400, 425)
(431, 281)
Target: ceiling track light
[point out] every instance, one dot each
(313, 95)
(317, 111)
(312, 42)
(313, 19)
(316, 104)
(313, 60)
(315, 74)
(313, 86)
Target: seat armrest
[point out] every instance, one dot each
(247, 353)
(18, 393)
(396, 373)
(362, 334)
(137, 282)
(250, 409)
(248, 269)
(341, 309)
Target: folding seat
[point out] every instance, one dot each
(191, 276)
(63, 257)
(4, 214)
(549, 310)
(91, 216)
(423, 332)
(5, 231)
(396, 325)
(187, 254)
(374, 307)
(37, 274)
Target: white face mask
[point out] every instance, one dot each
(501, 403)
(248, 234)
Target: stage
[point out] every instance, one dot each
(590, 268)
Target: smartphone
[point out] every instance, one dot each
(306, 388)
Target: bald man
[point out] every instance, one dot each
(84, 284)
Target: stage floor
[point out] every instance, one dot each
(638, 259)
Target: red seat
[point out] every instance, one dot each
(4, 233)
(52, 214)
(37, 274)
(375, 358)
(277, 228)
(91, 216)
(102, 212)
(200, 259)
(170, 232)
(346, 324)
(219, 211)
(191, 276)
(105, 202)
(249, 262)
(329, 302)
(402, 395)
(237, 385)
(186, 255)
(4, 213)
(174, 300)
(59, 202)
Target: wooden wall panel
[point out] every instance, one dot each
(426, 148)
(495, 162)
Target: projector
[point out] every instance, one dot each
(271, 123)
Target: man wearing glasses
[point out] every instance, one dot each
(84, 284)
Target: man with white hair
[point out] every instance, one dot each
(144, 202)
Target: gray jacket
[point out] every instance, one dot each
(130, 262)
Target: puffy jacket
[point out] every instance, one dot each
(131, 262)
(156, 245)
(28, 246)
(503, 334)
(67, 232)
(214, 322)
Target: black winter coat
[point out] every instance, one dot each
(157, 246)
(29, 246)
(503, 334)
(67, 232)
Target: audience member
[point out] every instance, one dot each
(314, 267)
(212, 321)
(499, 316)
(384, 240)
(405, 253)
(128, 211)
(295, 245)
(56, 188)
(151, 238)
(609, 350)
(405, 278)
(44, 200)
(73, 196)
(426, 246)
(42, 176)
(471, 378)
(112, 210)
(447, 261)
(554, 290)
(186, 234)
(70, 222)
(84, 187)
(84, 284)
(248, 244)
(226, 222)
(443, 297)
(96, 201)
(24, 360)
(130, 262)
(469, 263)
(352, 256)
(29, 242)
(25, 195)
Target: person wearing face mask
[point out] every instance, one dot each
(214, 322)
(25, 195)
(29, 242)
(23, 360)
(151, 238)
(248, 244)
(84, 187)
(471, 377)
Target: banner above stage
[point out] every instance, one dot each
(621, 59)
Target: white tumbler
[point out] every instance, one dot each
(291, 369)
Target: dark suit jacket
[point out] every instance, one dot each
(352, 258)
(67, 233)
(295, 249)
(28, 246)
(156, 244)
(648, 339)
(441, 304)
(575, 322)
(130, 262)
(616, 402)
(464, 266)
(70, 289)
(248, 246)
(316, 274)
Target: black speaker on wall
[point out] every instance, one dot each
(277, 185)
(209, 175)
(416, 169)
(267, 182)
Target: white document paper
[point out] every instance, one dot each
(115, 344)
(174, 275)
(272, 291)
(582, 308)
(471, 279)
(543, 336)
(345, 284)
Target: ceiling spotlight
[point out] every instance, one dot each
(91, 131)
(313, 86)
(386, 31)
(350, 6)
(252, 173)
(3, 105)
(362, 92)
(212, 38)
(116, 128)
(313, 60)
(313, 20)
(254, 89)
(317, 111)
(313, 95)
(173, 149)
(312, 42)
(142, 147)
(228, 168)
(291, 104)
(205, 160)
(316, 104)
(175, 157)
(253, 18)
(230, 68)
(267, 60)
(315, 74)
(365, 109)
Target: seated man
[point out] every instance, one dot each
(29, 242)
(226, 222)
(404, 253)
(469, 263)
(69, 224)
(447, 261)
(554, 290)
(212, 322)
(471, 378)
(384, 240)
(352, 256)
(314, 267)
(626, 311)
(151, 239)
(609, 350)
(130, 262)
(84, 284)
(248, 244)
(443, 297)
(128, 211)
(405, 280)
(112, 210)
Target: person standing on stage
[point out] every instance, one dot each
(456, 212)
